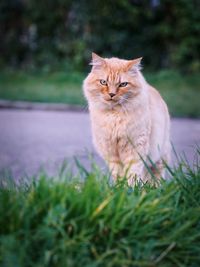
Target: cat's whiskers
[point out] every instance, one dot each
(124, 99)
(123, 105)
(124, 109)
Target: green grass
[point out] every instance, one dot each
(60, 87)
(181, 92)
(65, 222)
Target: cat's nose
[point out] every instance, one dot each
(111, 95)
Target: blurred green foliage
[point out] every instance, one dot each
(76, 221)
(51, 34)
(181, 92)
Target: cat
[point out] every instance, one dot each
(130, 120)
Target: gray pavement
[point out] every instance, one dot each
(33, 139)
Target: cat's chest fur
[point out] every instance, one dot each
(114, 132)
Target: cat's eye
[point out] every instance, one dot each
(103, 82)
(123, 84)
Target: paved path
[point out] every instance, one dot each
(31, 139)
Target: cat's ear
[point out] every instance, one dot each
(134, 65)
(97, 61)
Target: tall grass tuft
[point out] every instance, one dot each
(71, 222)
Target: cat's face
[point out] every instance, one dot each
(113, 81)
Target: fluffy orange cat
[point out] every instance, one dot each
(130, 120)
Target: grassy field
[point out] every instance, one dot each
(66, 222)
(182, 93)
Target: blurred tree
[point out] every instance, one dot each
(13, 45)
(178, 31)
(49, 19)
(48, 33)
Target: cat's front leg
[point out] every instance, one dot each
(133, 156)
(134, 171)
(116, 169)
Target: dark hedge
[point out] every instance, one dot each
(38, 33)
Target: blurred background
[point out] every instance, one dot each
(45, 50)
(46, 47)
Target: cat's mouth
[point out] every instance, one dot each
(111, 100)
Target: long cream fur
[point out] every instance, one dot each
(131, 126)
